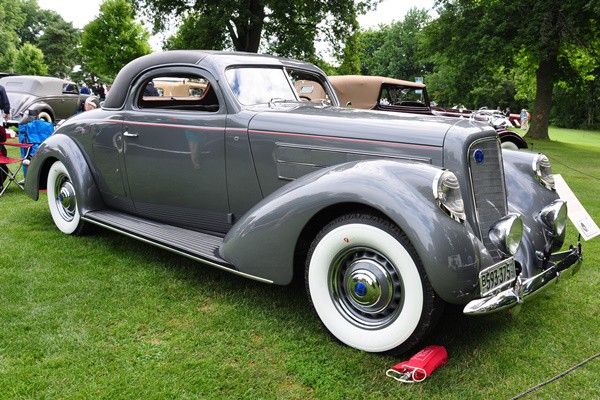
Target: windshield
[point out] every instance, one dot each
(260, 85)
(394, 95)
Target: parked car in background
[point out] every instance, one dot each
(387, 94)
(53, 98)
(180, 87)
(387, 216)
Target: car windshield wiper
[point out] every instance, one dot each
(276, 100)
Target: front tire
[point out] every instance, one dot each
(62, 200)
(507, 144)
(45, 116)
(368, 286)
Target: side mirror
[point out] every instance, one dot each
(349, 104)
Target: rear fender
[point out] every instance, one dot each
(62, 148)
(263, 241)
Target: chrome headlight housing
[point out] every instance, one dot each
(506, 234)
(446, 191)
(554, 216)
(542, 171)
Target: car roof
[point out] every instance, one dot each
(363, 91)
(219, 60)
(37, 85)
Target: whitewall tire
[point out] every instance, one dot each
(509, 145)
(367, 285)
(43, 115)
(62, 200)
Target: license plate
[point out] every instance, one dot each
(496, 276)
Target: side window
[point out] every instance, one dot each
(309, 87)
(181, 92)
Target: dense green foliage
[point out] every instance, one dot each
(29, 60)
(286, 28)
(107, 317)
(113, 39)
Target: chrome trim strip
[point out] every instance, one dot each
(354, 152)
(173, 250)
(525, 289)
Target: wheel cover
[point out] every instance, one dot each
(64, 198)
(366, 288)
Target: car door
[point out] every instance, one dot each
(68, 103)
(175, 152)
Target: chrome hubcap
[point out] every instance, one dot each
(64, 197)
(366, 288)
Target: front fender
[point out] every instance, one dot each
(263, 242)
(63, 148)
(526, 196)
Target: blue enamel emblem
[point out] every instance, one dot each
(478, 156)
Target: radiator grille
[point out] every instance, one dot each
(489, 194)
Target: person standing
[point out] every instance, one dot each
(524, 119)
(99, 91)
(85, 89)
(4, 105)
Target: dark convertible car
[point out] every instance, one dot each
(388, 216)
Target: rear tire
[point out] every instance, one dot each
(368, 286)
(62, 200)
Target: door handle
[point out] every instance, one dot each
(127, 134)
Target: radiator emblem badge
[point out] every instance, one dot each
(478, 156)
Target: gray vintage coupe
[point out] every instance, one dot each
(387, 215)
(52, 98)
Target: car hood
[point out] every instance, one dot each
(353, 123)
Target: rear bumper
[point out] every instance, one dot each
(565, 263)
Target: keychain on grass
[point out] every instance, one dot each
(420, 366)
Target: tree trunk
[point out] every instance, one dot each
(249, 27)
(542, 105)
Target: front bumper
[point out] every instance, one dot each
(524, 288)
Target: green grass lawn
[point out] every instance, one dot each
(105, 316)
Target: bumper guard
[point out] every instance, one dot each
(525, 288)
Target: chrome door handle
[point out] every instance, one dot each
(126, 133)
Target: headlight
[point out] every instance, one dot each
(506, 234)
(543, 171)
(554, 216)
(446, 191)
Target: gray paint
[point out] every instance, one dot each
(266, 171)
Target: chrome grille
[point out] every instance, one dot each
(489, 193)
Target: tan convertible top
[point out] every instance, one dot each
(363, 91)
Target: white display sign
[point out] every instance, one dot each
(577, 214)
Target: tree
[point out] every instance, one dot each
(113, 39)
(11, 18)
(393, 50)
(287, 28)
(59, 44)
(30, 61)
(476, 36)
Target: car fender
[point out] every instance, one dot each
(508, 135)
(527, 197)
(262, 243)
(63, 148)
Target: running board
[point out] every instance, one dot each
(197, 246)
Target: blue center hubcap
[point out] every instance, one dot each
(360, 289)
